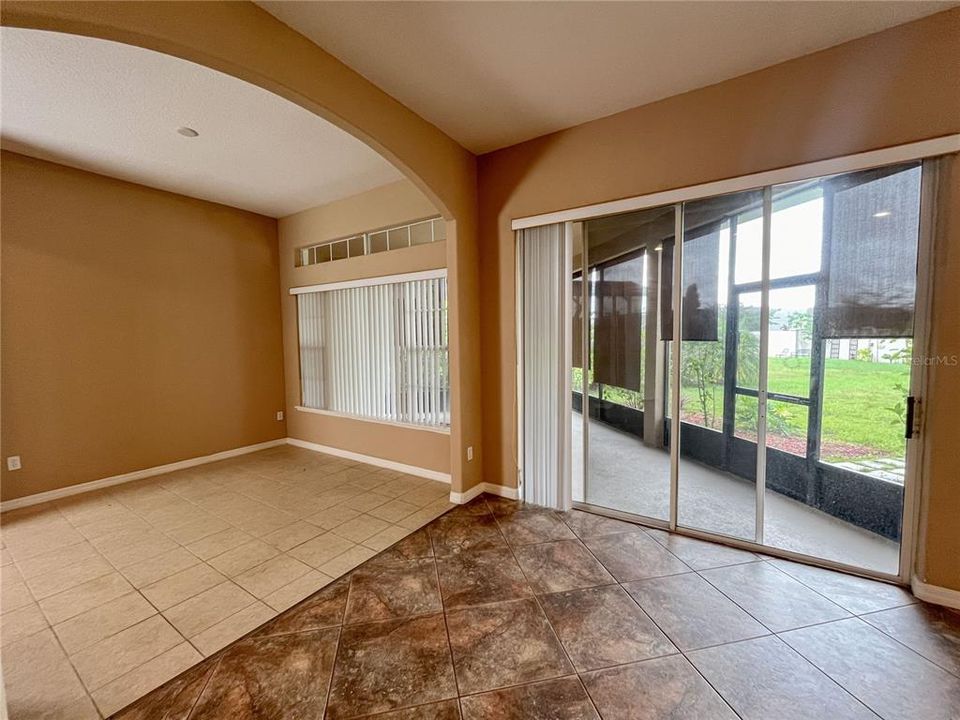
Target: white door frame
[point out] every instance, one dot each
(913, 480)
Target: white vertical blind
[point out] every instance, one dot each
(311, 349)
(377, 351)
(545, 369)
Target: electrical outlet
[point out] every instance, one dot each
(280, 415)
(13, 462)
(470, 453)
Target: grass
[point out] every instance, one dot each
(858, 397)
(857, 401)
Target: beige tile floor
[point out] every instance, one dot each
(108, 594)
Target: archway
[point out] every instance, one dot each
(244, 41)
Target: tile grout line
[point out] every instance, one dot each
(861, 616)
(586, 692)
(453, 664)
(657, 625)
(443, 613)
(811, 588)
(87, 692)
(771, 633)
(543, 613)
(224, 619)
(777, 633)
(183, 640)
(336, 655)
(69, 658)
(342, 625)
(743, 609)
(196, 701)
(903, 644)
(829, 677)
(769, 630)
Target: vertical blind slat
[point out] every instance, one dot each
(542, 315)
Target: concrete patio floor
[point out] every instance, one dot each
(626, 475)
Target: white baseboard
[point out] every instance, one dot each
(135, 475)
(935, 594)
(193, 462)
(465, 497)
(501, 490)
(484, 487)
(371, 460)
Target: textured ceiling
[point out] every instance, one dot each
(114, 109)
(491, 74)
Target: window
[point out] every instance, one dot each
(377, 349)
(421, 232)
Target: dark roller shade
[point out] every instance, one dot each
(701, 257)
(666, 289)
(618, 323)
(700, 285)
(873, 219)
(703, 220)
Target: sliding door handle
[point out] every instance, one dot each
(911, 414)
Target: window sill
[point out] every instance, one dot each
(391, 423)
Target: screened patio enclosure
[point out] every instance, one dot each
(789, 395)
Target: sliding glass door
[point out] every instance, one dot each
(621, 280)
(720, 364)
(837, 405)
(785, 422)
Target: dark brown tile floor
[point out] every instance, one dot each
(499, 610)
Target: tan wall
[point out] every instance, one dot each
(242, 40)
(139, 327)
(894, 87)
(392, 204)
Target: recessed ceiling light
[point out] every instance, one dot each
(187, 131)
(884, 213)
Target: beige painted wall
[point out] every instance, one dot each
(894, 87)
(245, 41)
(393, 204)
(139, 327)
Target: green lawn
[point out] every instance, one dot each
(858, 398)
(858, 420)
(857, 401)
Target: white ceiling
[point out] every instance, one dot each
(114, 109)
(491, 74)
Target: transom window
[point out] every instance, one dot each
(421, 232)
